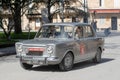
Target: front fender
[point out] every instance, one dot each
(62, 52)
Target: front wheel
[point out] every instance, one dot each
(67, 62)
(25, 65)
(97, 58)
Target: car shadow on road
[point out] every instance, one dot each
(77, 66)
(90, 63)
(51, 68)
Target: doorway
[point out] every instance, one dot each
(114, 23)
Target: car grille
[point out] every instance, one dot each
(35, 53)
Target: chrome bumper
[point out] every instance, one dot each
(36, 60)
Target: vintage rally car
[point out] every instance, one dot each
(61, 43)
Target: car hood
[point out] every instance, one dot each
(43, 41)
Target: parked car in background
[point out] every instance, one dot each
(61, 43)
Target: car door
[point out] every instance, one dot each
(80, 48)
(90, 42)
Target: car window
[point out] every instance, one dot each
(78, 32)
(68, 31)
(88, 32)
(54, 31)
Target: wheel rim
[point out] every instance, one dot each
(68, 60)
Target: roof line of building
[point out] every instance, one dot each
(104, 10)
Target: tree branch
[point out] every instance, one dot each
(23, 11)
(56, 11)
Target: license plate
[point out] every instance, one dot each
(35, 62)
(38, 58)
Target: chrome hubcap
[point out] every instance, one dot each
(68, 60)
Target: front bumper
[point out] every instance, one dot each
(36, 60)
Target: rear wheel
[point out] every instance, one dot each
(25, 65)
(67, 62)
(97, 58)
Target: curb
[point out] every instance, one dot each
(7, 54)
(7, 51)
(6, 45)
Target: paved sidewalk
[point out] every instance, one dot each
(113, 33)
(7, 51)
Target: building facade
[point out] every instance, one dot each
(36, 17)
(72, 11)
(106, 13)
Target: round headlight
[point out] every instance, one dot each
(49, 49)
(19, 48)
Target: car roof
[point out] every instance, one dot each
(68, 23)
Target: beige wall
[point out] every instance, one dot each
(93, 3)
(104, 20)
(107, 4)
(32, 23)
(24, 22)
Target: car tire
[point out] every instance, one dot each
(97, 58)
(25, 65)
(67, 62)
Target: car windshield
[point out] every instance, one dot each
(53, 31)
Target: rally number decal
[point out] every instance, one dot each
(82, 48)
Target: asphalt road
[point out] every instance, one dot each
(108, 69)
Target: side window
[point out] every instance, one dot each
(78, 32)
(68, 31)
(88, 32)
